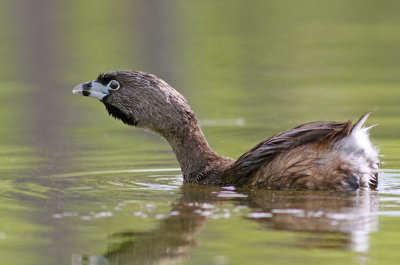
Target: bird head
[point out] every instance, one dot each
(138, 99)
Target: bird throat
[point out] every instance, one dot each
(119, 114)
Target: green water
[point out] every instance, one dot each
(77, 187)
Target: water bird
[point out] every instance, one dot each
(313, 156)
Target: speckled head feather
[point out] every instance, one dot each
(113, 109)
(105, 78)
(144, 100)
(118, 114)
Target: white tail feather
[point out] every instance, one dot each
(358, 150)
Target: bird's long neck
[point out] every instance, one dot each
(199, 163)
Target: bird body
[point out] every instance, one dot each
(318, 155)
(312, 156)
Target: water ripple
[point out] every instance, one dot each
(91, 173)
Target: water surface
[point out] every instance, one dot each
(77, 187)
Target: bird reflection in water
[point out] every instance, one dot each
(329, 219)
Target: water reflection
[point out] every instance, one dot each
(329, 220)
(352, 215)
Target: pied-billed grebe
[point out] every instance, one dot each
(312, 156)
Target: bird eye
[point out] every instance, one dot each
(114, 85)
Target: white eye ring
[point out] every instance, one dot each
(113, 85)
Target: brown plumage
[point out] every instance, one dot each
(316, 156)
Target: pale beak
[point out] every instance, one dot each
(91, 89)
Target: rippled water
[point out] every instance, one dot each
(148, 216)
(77, 187)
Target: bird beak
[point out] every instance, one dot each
(91, 89)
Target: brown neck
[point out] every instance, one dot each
(198, 161)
